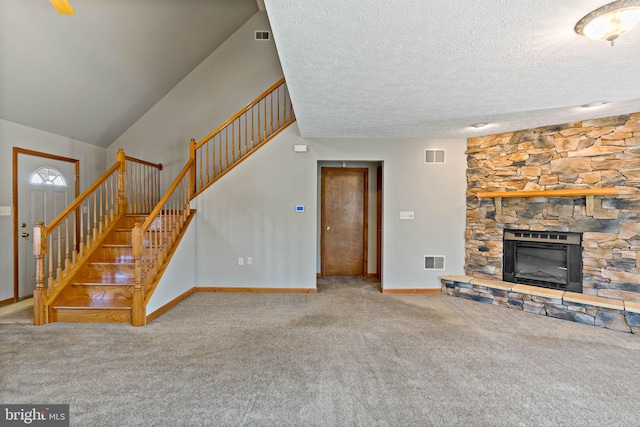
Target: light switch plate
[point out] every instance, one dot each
(5, 210)
(406, 215)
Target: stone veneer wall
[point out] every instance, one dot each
(594, 153)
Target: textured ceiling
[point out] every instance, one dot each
(91, 75)
(414, 68)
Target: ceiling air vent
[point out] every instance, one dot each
(434, 156)
(263, 35)
(434, 262)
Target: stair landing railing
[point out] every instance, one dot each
(246, 131)
(129, 186)
(153, 240)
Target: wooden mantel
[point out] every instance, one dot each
(576, 192)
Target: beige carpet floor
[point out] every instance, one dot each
(20, 312)
(347, 356)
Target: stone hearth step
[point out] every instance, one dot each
(632, 306)
(593, 310)
(537, 291)
(594, 300)
(494, 284)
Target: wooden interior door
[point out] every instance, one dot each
(343, 237)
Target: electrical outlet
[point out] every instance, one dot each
(240, 261)
(5, 210)
(249, 260)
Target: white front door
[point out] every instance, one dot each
(45, 187)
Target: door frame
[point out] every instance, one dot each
(365, 222)
(17, 151)
(379, 223)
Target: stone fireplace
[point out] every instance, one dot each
(601, 153)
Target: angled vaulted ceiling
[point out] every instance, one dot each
(91, 75)
(418, 68)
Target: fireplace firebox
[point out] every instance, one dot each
(547, 259)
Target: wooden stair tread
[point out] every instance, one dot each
(125, 230)
(95, 304)
(115, 263)
(99, 281)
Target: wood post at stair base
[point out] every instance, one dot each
(138, 315)
(39, 307)
(39, 294)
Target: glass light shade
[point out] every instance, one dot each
(610, 21)
(63, 7)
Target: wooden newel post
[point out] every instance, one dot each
(122, 203)
(40, 312)
(138, 315)
(192, 169)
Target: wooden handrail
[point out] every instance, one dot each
(81, 198)
(167, 195)
(239, 113)
(144, 162)
(151, 246)
(239, 136)
(577, 192)
(224, 172)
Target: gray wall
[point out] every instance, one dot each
(179, 277)
(231, 77)
(92, 165)
(251, 212)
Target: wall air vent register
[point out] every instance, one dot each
(263, 35)
(434, 262)
(434, 156)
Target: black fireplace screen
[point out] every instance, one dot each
(548, 264)
(546, 259)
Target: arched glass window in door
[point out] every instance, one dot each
(47, 175)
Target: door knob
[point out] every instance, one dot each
(24, 225)
(25, 234)
(328, 228)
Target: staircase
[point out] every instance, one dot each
(102, 289)
(101, 259)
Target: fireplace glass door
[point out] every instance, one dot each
(549, 259)
(547, 264)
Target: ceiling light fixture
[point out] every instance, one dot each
(63, 7)
(594, 104)
(478, 125)
(610, 21)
